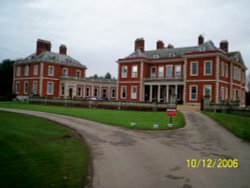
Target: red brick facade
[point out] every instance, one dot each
(56, 75)
(190, 73)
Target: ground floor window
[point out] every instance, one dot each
(62, 90)
(87, 92)
(134, 92)
(79, 91)
(104, 93)
(113, 93)
(50, 88)
(222, 94)
(26, 87)
(193, 92)
(17, 87)
(34, 89)
(95, 92)
(207, 90)
(123, 92)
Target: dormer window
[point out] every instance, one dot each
(155, 56)
(172, 55)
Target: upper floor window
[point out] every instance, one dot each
(177, 71)
(124, 71)
(134, 71)
(160, 72)
(18, 71)
(207, 67)
(51, 71)
(243, 77)
(64, 72)
(194, 69)
(237, 73)
(26, 70)
(153, 72)
(222, 69)
(169, 71)
(226, 70)
(78, 73)
(35, 70)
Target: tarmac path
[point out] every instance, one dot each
(125, 158)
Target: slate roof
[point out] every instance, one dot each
(173, 52)
(51, 57)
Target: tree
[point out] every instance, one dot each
(108, 76)
(6, 79)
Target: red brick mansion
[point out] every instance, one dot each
(57, 75)
(188, 72)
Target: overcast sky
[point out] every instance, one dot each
(98, 32)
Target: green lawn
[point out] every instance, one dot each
(238, 125)
(35, 152)
(143, 120)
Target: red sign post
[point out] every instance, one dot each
(170, 113)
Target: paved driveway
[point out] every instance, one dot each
(158, 159)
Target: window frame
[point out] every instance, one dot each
(190, 93)
(35, 70)
(133, 94)
(124, 70)
(34, 89)
(87, 92)
(18, 71)
(205, 72)
(162, 72)
(79, 93)
(153, 75)
(134, 73)
(204, 90)
(52, 68)
(175, 67)
(171, 68)
(26, 89)
(26, 70)
(52, 88)
(17, 89)
(191, 68)
(125, 92)
(62, 90)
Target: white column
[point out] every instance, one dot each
(176, 90)
(159, 93)
(150, 93)
(167, 93)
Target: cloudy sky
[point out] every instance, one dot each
(98, 32)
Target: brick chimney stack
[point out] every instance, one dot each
(224, 45)
(159, 44)
(63, 49)
(42, 46)
(139, 44)
(200, 40)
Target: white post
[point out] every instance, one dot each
(150, 93)
(159, 93)
(166, 93)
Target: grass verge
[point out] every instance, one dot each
(143, 120)
(35, 152)
(238, 125)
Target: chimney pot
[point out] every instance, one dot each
(224, 45)
(170, 46)
(200, 40)
(63, 49)
(159, 44)
(139, 44)
(42, 46)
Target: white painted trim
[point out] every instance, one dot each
(17, 92)
(35, 70)
(190, 93)
(129, 82)
(25, 92)
(124, 76)
(191, 63)
(207, 85)
(131, 92)
(204, 67)
(125, 92)
(47, 91)
(134, 76)
(171, 76)
(212, 80)
(35, 81)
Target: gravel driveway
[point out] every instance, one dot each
(158, 159)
